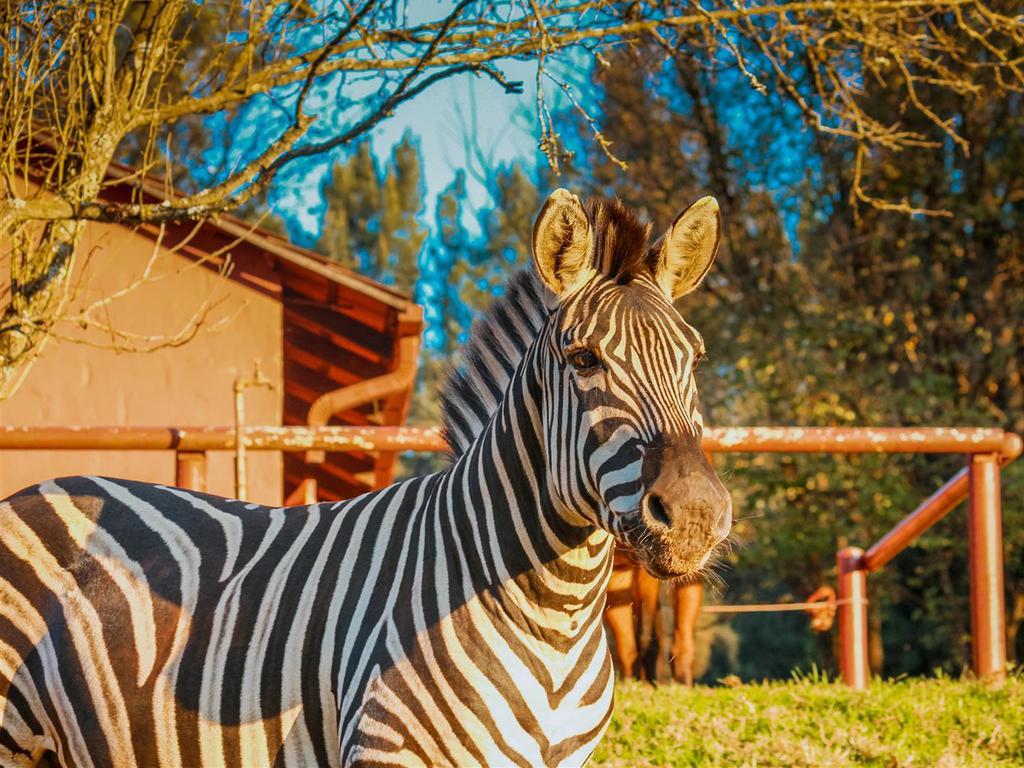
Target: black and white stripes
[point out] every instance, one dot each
(453, 619)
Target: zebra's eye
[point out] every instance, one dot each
(584, 360)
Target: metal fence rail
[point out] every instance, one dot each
(716, 440)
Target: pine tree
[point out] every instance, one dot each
(508, 225)
(371, 220)
(403, 203)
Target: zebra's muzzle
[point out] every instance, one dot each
(683, 518)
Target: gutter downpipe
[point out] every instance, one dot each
(379, 387)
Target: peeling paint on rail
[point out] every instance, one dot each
(720, 440)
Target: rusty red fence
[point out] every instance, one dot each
(987, 450)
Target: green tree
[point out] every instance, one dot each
(926, 317)
(371, 220)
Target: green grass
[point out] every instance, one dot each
(807, 722)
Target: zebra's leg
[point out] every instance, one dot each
(619, 619)
(646, 588)
(688, 601)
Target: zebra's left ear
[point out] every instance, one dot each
(688, 249)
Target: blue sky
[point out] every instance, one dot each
(503, 127)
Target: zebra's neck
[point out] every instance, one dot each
(543, 566)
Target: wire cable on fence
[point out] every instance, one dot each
(821, 606)
(769, 607)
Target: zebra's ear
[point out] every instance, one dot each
(688, 249)
(563, 242)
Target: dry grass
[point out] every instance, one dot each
(810, 722)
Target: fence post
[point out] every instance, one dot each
(853, 618)
(985, 547)
(190, 470)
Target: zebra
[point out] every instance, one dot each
(450, 619)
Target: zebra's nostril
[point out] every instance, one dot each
(656, 509)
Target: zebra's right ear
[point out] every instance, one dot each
(688, 249)
(563, 242)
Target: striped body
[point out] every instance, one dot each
(453, 619)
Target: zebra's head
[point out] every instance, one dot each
(621, 417)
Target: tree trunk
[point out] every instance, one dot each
(39, 279)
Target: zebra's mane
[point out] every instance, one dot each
(497, 343)
(500, 338)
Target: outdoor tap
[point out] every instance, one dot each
(241, 384)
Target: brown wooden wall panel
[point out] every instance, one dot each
(317, 291)
(334, 482)
(374, 361)
(308, 385)
(354, 337)
(342, 329)
(317, 352)
(383, 323)
(304, 285)
(295, 410)
(315, 286)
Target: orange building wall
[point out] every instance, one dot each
(191, 385)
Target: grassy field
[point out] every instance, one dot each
(936, 722)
